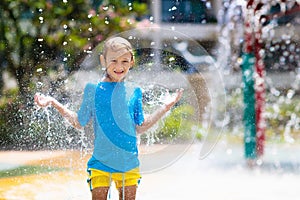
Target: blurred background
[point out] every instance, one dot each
(254, 47)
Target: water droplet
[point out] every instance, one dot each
(65, 43)
(291, 58)
(171, 59)
(40, 83)
(229, 151)
(173, 8)
(292, 47)
(65, 26)
(285, 53)
(275, 92)
(282, 60)
(208, 5)
(290, 94)
(259, 162)
(40, 39)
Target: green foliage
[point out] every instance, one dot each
(7, 107)
(178, 125)
(282, 114)
(234, 108)
(28, 170)
(40, 34)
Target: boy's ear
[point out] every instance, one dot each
(102, 61)
(132, 63)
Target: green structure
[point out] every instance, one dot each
(249, 106)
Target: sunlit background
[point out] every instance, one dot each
(234, 135)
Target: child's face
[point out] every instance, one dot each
(118, 65)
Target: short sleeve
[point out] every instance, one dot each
(85, 111)
(138, 110)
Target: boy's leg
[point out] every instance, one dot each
(129, 182)
(100, 193)
(99, 183)
(130, 192)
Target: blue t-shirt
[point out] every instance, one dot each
(115, 109)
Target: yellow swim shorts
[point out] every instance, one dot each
(98, 178)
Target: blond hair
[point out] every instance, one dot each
(117, 44)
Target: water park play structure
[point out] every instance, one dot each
(253, 70)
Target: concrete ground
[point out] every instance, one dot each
(222, 175)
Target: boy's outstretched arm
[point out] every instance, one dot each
(44, 101)
(154, 117)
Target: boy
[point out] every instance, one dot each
(115, 109)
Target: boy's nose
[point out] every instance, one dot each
(119, 65)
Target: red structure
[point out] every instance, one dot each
(254, 20)
(259, 92)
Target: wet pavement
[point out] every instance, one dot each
(222, 175)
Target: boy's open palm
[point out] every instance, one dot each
(171, 100)
(41, 100)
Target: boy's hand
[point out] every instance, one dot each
(42, 101)
(171, 100)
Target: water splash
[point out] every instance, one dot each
(160, 70)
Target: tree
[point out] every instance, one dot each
(37, 34)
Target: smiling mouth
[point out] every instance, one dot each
(118, 72)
